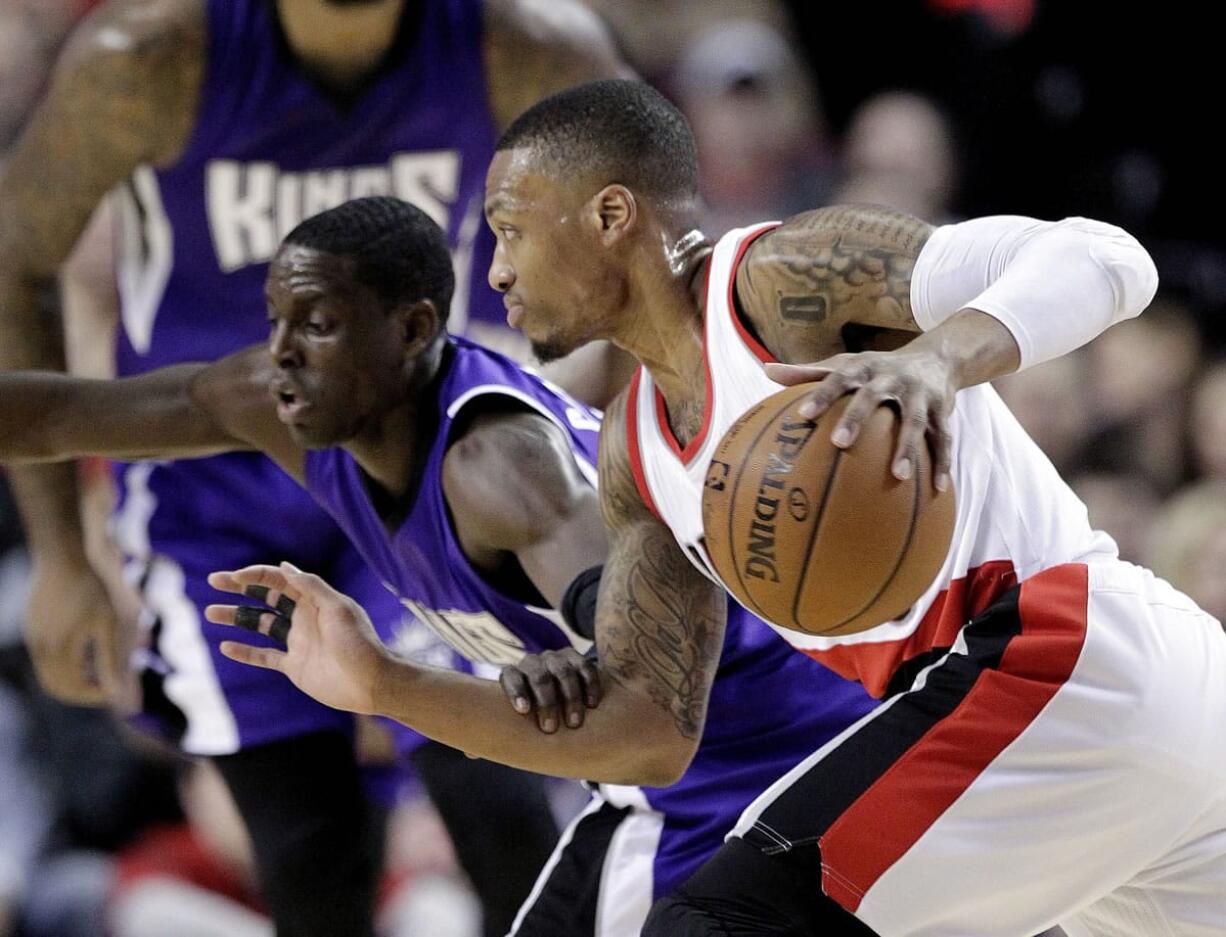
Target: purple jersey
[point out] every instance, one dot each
(769, 708)
(422, 561)
(268, 149)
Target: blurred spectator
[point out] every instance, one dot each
(1122, 505)
(1140, 374)
(899, 152)
(1189, 545)
(757, 123)
(1207, 425)
(1051, 402)
(192, 879)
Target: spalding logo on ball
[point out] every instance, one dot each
(819, 539)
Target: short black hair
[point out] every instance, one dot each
(621, 131)
(397, 249)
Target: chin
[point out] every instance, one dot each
(309, 438)
(551, 349)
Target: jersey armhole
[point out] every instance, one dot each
(633, 449)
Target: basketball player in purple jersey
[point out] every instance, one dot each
(469, 486)
(224, 123)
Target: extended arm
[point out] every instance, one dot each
(659, 630)
(990, 295)
(182, 411)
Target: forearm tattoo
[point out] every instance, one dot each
(661, 624)
(663, 632)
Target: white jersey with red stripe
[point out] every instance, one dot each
(1015, 515)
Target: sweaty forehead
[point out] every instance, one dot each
(516, 181)
(299, 269)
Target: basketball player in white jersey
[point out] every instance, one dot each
(1051, 749)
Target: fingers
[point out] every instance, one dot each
(863, 402)
(837, 377)
(564, 666)
(68, 679)
(789, 374)
(283, 603)
(266, 657)
(270, 578)
(114, 641)
(942, 451)
(260, 620)
(515, 685)
(555, 685)
(593, 691)
(284, 581)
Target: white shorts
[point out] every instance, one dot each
(1064, 764)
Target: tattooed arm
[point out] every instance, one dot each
(803, 283)
(659, 622)
(659, 628)
(803, 286)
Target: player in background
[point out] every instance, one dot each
(469, 486)
(223, 123)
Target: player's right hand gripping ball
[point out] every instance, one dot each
(819, 539)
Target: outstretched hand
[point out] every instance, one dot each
(919, 382)
(331, 650)
(553, 683)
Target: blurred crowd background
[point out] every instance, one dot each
(943, 108)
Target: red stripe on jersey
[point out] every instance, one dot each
(691, 449)
(874, 663)
(708, 405)
(755, 346)
(632, 443)
(892, 814)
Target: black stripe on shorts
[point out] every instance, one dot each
(568, 902)
(802, 813)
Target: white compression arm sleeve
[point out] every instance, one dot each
(1053, 285)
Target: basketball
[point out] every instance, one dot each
(818, 539)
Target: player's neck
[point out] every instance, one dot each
(342, 44)
(393, 449)
(664, 324)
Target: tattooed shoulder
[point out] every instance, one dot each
(819, 271)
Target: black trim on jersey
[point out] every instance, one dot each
(812, 803)
(571, 896)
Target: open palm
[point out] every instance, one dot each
(332, 652)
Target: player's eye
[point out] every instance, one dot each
(318, 326)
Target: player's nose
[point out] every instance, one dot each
(281, 347)
(501, 275)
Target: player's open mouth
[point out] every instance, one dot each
(289, 404)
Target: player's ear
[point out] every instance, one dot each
(419, 324)
(614, 211)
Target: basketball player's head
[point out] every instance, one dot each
(587, 191)
(357, 303)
